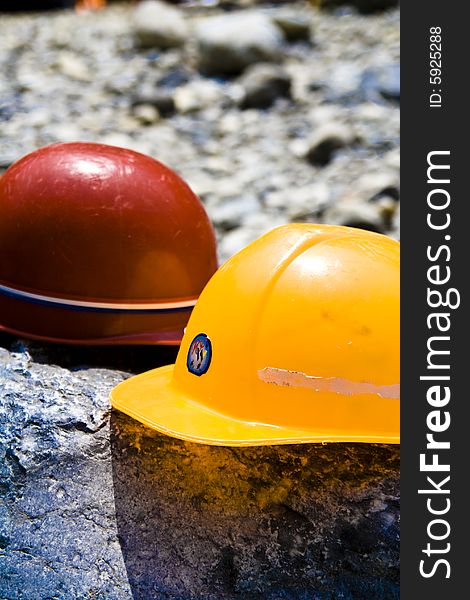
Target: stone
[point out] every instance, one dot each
(325, 113)
(158, 25)
(123, 140)
(350, 85)
(300, 202)
(231, 213)
(371, 203)
(57, 524)
(255, 224)
(374, 186)
(72, 66)
(227, 44)
(264, 523)
(6, 160)
(64, 132)
(326, 140)
(387, 207)
(392, 159)
(94, 504)
(40, 117)
(383, 81)
(343, 84)
(175, 77)
(295, 26)
(359, 214)
(263, 84)
(230, 122)
(146, 114)
(395, 228)
(197, 95)
(121, 84)
(161, 100)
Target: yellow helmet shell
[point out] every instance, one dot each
(294, 339)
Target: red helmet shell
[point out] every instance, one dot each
(100, 244)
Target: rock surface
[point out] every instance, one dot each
(326, 140)
(162, 100)
(156, 24)
(263, 84)
(93, 504)
(197, 95)
(382, 81)
(229, 43)
(295, 27)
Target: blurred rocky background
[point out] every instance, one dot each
(273, 112)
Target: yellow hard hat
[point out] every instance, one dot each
(294, 339)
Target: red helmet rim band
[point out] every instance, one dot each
(106, 307)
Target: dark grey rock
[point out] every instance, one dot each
(273, 522)
(146, 114)
(363, 6)
(197, 95)
(361, 215)
(326, 140)
(231, 213)
(173, 78)
(58, 521)
(6, 161)
(304, 203)
(93, 504)
(371, 203)
(229, 43)
(343, 85)
(295, 26)
(350, 86)
(382, 81)
(376, 186)
(159, 25)
(263, 84)
(162, 100)
(120, 85)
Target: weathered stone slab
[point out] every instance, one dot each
(93, 504)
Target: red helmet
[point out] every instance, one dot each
(100, 245)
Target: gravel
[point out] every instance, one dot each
(157, 25)
(263, 84)
(326, 140)
(229, 43)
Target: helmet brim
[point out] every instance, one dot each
(166, 338)
(151, 399)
